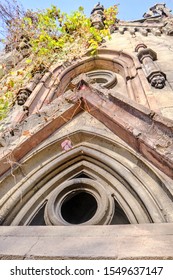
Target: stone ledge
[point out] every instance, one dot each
(144, 241)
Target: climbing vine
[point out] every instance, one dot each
(49, 36)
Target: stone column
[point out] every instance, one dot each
(147, 57)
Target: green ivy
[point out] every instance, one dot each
(5, 103)
(52, 36)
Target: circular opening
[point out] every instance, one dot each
(78, 207)
(101, 80)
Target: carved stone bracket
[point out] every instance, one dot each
(147, 57)
(22, 96)
(24, 93)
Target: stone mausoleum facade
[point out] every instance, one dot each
(86, 159)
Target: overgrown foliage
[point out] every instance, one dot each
(9, 10)
(46, 37)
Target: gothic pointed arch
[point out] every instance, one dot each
(50, 181)
(130, 79)
(86, 153)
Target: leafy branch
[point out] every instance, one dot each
(48, 36)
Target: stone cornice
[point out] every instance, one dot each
(158, 21)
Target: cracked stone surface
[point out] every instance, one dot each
(92, 242)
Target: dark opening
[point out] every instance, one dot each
(101, 80)
(38, 219)
(82, 175)
(119, 216)
(79, 207)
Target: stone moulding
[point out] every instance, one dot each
(121, 116)
(142, 191)
(118, 162)
(57, 79)
(118, 242)
(149, 135)
(107, 79)
(158, 21)
(104, 201)
(116, 173)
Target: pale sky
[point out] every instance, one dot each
(128, 9)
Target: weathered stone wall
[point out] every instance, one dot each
(161, 100)
(120, 153)
(147, 241)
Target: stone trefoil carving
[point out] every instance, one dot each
(96, 204)
(147, 57)
(106, 79)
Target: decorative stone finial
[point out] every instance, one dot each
(158, 10)
(97, 16)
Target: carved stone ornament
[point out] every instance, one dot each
(106, 79)
(22, 96)
(158, 81)
(99, 79)
(158, 10)
(97, 16)
(147, 57)
(61, 208)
